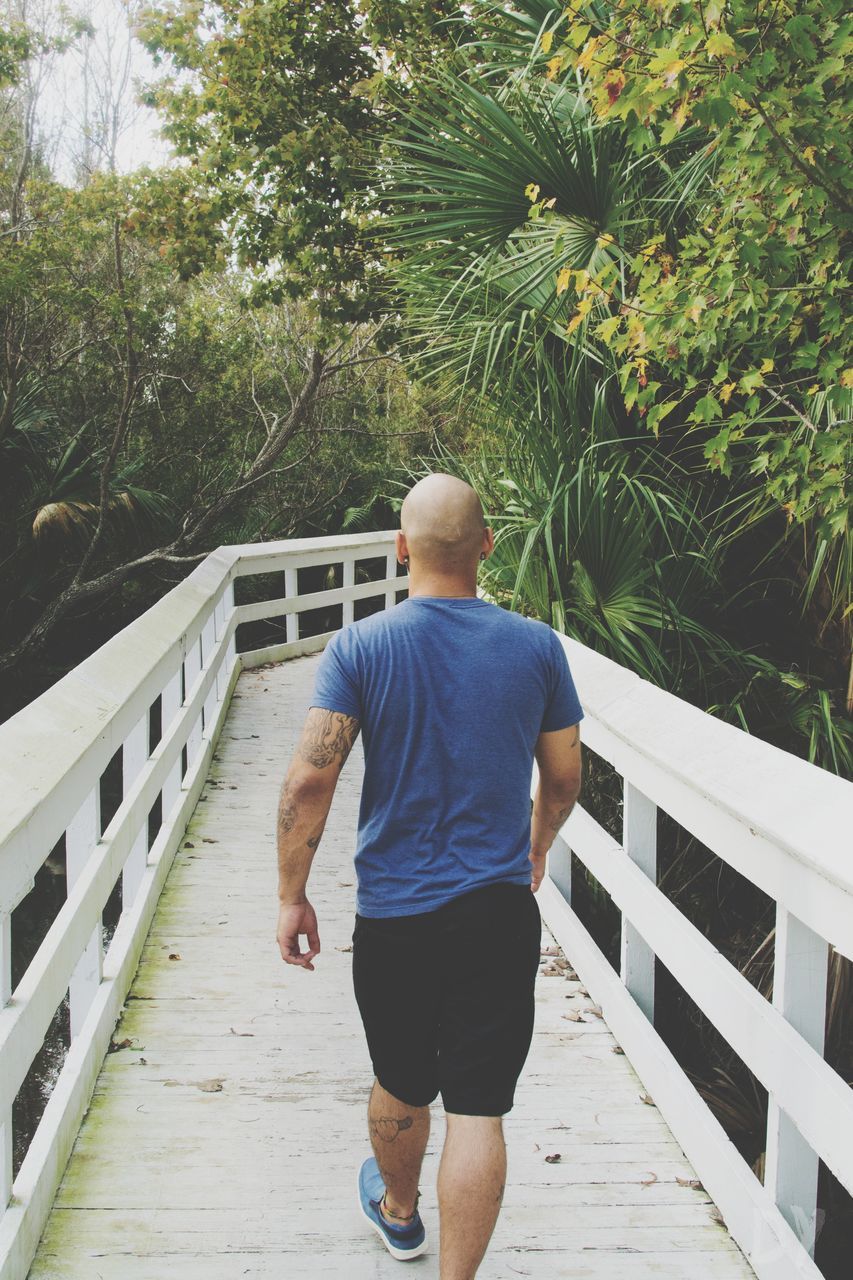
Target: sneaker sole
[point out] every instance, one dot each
(402, 1255)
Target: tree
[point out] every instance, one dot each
(527, 220)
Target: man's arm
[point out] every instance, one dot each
(558, 755)
(304, 803)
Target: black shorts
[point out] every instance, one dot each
(446, 998)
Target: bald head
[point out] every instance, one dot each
(442, 520)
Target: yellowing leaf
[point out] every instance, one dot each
(847, 378)
(588, 53)
(809, 154)
(608, 327)
(694, 311)
(531, 191)
(766, 366)
(813, 390)
(585, 306)
(725, 392)
(547, 41)
(604, 240)
(720, 45)
(554, 66)
(563, 280)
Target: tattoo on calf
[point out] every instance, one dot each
(327, 737)
(389, 1128)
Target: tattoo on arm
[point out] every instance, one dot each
(288, 816)
(560, 817)
(327, 738)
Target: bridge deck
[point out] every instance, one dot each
(223, 1139)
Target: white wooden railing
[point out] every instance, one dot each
(783, 824)
(52, 757)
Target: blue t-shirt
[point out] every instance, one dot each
(452, 694)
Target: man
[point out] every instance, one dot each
(454, 697)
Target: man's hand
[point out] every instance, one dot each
(537, 862)
(292, 922)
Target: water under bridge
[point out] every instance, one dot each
(209, 1115)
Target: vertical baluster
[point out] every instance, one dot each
(220, 622)
(639, 840)
(81, 837)
(192, 667)
(231, 651)
(291, 590)
(5, 1120)
(799, 993)
(208, 646)
(349, 581)
(391, 572)
(134, 757)
(170, 705)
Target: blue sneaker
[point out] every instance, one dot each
(402, 1242)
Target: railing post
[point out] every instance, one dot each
(134, 757)
(223, 612)
(208, 645)
(170, 705)
(391, 572)
(799, 993)
(192, 668)
(291, 589)
(348, 581)
(81, 837)
(639, 840)
(5, 1120)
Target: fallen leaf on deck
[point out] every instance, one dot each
(582, 991)
(690, 1182)
(115, 1045)
(189, 845)
(617, 1048)
(595, 1010)
(573, 1016)
(209, 840)
(240, 1033)
(209, 1086)
(549, 951)
(647, 1182)
(174, 955)
(716, 1216)
(343, 948)
(551, 971)
(554, 1159)
(644, 1097)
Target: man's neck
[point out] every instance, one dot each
(436, 585)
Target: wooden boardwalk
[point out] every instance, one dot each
(226, 1129)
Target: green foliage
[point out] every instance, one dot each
(738, 308)
(259, 98)
(525, 219)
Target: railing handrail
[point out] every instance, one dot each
(786, 807)
(76, 725)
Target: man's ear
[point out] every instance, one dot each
(401, 548)
(488, 540)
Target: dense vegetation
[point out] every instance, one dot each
(593, 257)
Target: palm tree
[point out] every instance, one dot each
(512, 214)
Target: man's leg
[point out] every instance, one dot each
(398, 1134)
(471, 1180)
